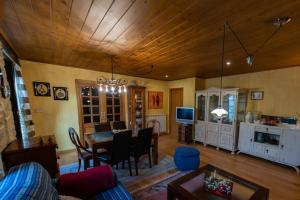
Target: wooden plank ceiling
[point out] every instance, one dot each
(181, 38)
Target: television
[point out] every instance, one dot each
(185, 115)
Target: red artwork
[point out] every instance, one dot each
(155, 100)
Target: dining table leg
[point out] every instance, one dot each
(155, 149)
(95, 159)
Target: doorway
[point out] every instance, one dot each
(176, 100)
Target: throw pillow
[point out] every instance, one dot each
(87, 183)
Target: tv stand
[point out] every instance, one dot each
(185, 133)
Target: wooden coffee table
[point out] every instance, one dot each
(191, 186)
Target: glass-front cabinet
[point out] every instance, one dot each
(136, 108)
(222, 133)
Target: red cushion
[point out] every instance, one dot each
(88, 183)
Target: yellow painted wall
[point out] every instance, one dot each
(199, 83)
(281, 90)
(55, 117)
(188, 86)
(281, 93)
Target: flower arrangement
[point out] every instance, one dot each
(218, 186)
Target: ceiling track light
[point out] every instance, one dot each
(278, 22)
(281, 21)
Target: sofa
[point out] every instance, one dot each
(32, 181)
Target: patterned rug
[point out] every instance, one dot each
(147, 176)
(157, 191)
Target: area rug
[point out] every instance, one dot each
(147, 176)
(157, 191)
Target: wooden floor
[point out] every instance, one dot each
(283, 182)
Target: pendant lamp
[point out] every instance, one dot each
(220, 112)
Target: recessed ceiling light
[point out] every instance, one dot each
(166, 76)
(228, 63)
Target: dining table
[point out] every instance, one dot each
(103, 140)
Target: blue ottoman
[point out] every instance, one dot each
(187, 158)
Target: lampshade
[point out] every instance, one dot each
(220, 112)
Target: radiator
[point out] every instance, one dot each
(158, 127)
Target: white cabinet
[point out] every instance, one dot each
(201, 116)
(210, 130)
(278, 144)
(245, 137)
(200, 131)
(290, 146)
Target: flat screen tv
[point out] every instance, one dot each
(185, 115)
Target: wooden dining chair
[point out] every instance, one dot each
(83, 153)
(119, 151)
(155, 124)
(142, 146)
(118, 125)
(102, 127)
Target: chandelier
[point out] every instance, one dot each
(112, 85)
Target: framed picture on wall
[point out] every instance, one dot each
(60, 93)
(257, 95)
(41, 89)
(155, 100)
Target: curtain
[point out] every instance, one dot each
(27, 126)
(7, 127)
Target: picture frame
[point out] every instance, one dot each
(60, 93)
(257, 95)
(41, 89)
(155, 100)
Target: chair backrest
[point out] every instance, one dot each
(102, 127)
(120, 146)
(75, 140)
(143, 143)
(119, 125)
(155, 124)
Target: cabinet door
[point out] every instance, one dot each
(212, 138)
(229, 102)
(290, 147)
(272, 153)
(201, 106)
(200, 131)
(226, 140)
(213, 103)
(212, 132)
(246, 134)
(258, 150)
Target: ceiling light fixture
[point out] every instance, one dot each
(112, 85)
(220, 112)
(228, 63)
